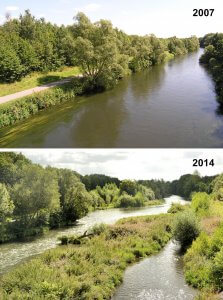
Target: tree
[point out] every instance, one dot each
(75, 201)
(185, 228)
(6, 204)
(218, 188)
(35, 194)
(97, 53)
(129, 187)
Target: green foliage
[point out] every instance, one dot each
(185, 228)
(6, 204)
(74, 199)
(94, 180)
(160, 188)
(218, 188)
(213, 59)
(10, 65)
(90, 270)
(37, 198)
(176, 207)
(22, 109)
(98, 229)
(129, 187)
(190, 183)
(104, 53)
(203, 261)
(201, 203)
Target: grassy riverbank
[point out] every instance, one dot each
(146, 204)
(204, 259)
(21, 109)
(93, 269)
(37, 79)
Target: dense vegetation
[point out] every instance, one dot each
(93, 264)
(188, 184)
(213, 59)
(33, 198)
(201, 224)
(104, 53)
(23, 108)
(93, 268)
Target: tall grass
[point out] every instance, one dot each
(94, 268)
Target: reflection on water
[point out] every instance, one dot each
(171, 105)
(159, 277)
(13, 253)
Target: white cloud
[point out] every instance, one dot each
(91, 7)
(168, 164)
(12, 8)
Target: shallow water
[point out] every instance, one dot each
(12, 254)
(171, 105)
(159, 277)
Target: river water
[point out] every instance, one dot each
(159, 277)
(12, 254)
(171, 105)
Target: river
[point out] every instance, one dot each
(158, 276)
(168, 105)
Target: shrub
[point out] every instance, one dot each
(175, 208)
(10, 65)
(98, 229)
(201, 203)
(23, 108)
(185, 228)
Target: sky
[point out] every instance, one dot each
(167, 164)
(164, 18)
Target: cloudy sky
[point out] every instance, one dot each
(162, 17)
(168, 164)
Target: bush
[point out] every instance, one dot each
(185, 228)
(10, 65)
(175, 208)
(98, 229)
(201, 203)
(23, 108)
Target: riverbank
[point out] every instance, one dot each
(21, 109)
(203, 262)
(18, 108)
(146, 204)
(38, 79)
(135, 111)
(92, 269)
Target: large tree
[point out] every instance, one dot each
(96, 52)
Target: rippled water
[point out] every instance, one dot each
(159, 277)
(171, 105)
(12, 254)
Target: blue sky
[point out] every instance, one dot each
(161, 17)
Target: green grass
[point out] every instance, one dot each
(37, 79)
(91, 270)
(203, 262)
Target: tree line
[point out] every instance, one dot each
(104, 53)
(213, 59)
(33, 198)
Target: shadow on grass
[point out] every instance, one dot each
(48, 79)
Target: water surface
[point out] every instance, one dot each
(12, 254)
(159, 277)
(171, 105)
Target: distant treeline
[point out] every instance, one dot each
(104, 53)
(213, 59)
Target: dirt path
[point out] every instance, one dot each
(37, 89)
